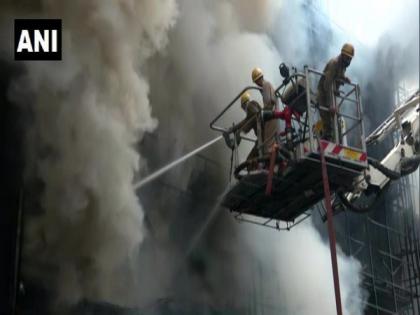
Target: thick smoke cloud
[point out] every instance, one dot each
(89, 111)
(301, 257)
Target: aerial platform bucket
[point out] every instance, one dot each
(296, 186)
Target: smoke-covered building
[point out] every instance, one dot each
(190, 256)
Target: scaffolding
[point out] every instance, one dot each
(387, 244)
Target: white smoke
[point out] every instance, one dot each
(296, 266)
(92, 108)
(89, 112)
(213, 48)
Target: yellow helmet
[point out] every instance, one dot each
(348, 50)
(256, 74)
(245, 97)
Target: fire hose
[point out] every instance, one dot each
(408, 166)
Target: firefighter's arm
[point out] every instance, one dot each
(342, 80)
(272, 114)
(339, 82)
(248, 124)
(229, 140)
(239, 126)
(251, 116)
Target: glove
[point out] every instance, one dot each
(228, 140)
(238, 137)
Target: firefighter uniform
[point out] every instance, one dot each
(250, 122)
(270, 127)
(329, 83)
(270, 103)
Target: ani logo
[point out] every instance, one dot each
(38, 39)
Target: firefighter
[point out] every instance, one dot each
(250, 122)
(334, 76)
(269, 98)
(270, 103)
(251, 109)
